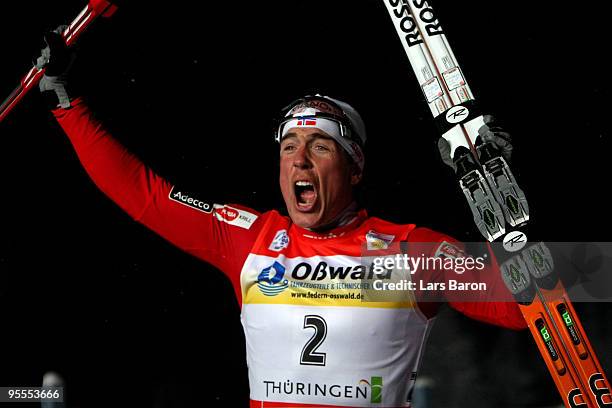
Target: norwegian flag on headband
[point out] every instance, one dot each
(307, 122)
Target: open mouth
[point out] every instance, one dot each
(305, 195)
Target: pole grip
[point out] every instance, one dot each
(94, 9)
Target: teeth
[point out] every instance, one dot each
(303, 183)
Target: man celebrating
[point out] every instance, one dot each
(311, 340)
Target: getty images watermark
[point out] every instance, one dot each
(408, 272)
(384, 267)
(445, 271)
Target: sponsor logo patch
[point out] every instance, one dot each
(363, 391)
(377, 240)
(270, 281)
(185, 198)
(280, 241)
(376, 388)
(233, 216)
(448, 250)
(225, 213)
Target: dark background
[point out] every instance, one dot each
(193, 89)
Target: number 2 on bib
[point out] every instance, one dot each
(310, 356)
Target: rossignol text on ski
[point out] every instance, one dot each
(500, 208)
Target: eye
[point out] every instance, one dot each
(288, 148)
(321, 147)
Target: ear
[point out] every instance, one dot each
(356, 175)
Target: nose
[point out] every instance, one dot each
(301, 160)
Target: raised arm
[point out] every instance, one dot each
(219, 234)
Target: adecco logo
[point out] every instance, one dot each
(186, 199)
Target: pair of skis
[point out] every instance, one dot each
(484, 176)
(500, 209)
(94, 9)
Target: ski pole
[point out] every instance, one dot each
(94, 9)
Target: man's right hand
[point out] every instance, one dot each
(57, 59)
